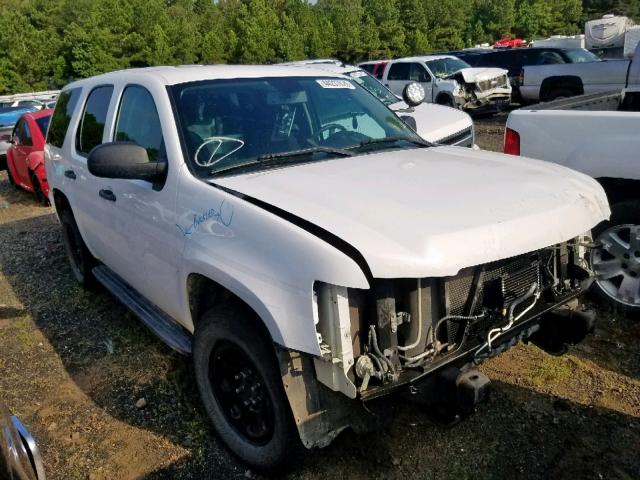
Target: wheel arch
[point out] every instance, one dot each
(569, 82)
(60, 202)
(620, 189)
(445, 95)
(204, 293)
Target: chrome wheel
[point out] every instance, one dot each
(616, 263)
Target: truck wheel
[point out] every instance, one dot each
(241, 388)
(617, 262)
(37, 190)
(81, 260)
(559, 93)
(445, 100)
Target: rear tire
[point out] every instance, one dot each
(559, 93)
(241, 388)
(80, 259)
(617, 263)
(11, 180)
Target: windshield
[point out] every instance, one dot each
(376, 88)
(580, 55)
(232, 123)
(446, 66)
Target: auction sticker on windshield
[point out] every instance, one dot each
(336, 84)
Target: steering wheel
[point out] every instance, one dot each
(332, 129)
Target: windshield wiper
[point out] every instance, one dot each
(270, 157)
(304, 151)
(377, 141)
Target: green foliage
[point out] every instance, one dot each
(47, 43)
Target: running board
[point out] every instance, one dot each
(161, 324)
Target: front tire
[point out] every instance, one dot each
(37, 190)
(80, 259)
(617, 262)
(446, 100)
(241, 388)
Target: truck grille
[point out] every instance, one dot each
(498, 283)
(463, 138)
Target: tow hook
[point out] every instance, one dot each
(563, 327)
(450, 394)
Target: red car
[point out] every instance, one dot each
(25, 156)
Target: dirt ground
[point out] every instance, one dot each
(75, 366)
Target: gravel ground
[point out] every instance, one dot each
(76, 367)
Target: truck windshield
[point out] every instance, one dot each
(376, 88)
(444, 67)
(228, 124)
(580, 55)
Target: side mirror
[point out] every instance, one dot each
(125, 160)
(413, 94)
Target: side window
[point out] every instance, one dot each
(91, 128)
(418, 73)
(138, 122)
(550, 58)
(23, 133)
(399, 71)
(61, 119)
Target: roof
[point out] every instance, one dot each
(45, 112)
(423, 58)
(173, 75)
(336, 68)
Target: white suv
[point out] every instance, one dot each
(308, 249)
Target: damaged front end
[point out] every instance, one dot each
(401, 332)
(490, 93)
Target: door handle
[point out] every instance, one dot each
(70, 174)
(107, 195)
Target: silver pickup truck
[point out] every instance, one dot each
(589, 74)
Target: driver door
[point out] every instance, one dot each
(419, 73)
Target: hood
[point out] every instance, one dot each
(435, 122)
(474, 75)
(430, 212)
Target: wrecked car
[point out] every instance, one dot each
(449, 81)
(307, 248)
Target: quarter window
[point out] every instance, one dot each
(91, 129)
(138, 122)
(65, 106)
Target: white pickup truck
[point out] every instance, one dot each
(598, 135)
(448, 81)
(307, 247)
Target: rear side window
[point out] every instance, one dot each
(399, 71)
(91, 129)
(138, 122)
(65, 106)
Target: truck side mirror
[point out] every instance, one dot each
(125, 160)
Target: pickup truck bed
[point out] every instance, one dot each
(597, 135)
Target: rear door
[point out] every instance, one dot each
(90, 210)
(402, 73)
